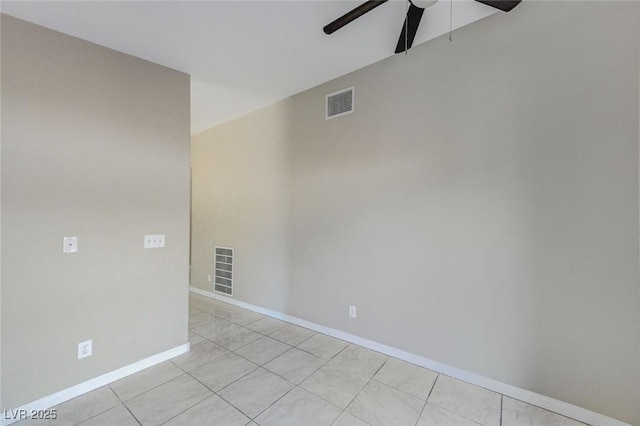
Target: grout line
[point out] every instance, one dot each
(154, 387)
(421, 411)
(228, 384)
(366, 384)
(124, 405)
(187, 409)
(308, 338)
(273, 403)
(433, 386)
(96, 414)
(336, 419)
(132, 415)
(446, 409)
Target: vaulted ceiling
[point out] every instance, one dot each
(243, 55)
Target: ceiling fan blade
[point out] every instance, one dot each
(503, 5)
(409, 29)
(352, 15)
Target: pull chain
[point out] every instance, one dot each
(450, 19)
(406, 25)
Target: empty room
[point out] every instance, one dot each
(320, 213)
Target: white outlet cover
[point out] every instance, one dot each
(352, 311)
(69, 244)
(85, 349)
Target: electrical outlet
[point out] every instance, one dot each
(352, 311)
(85, 349)
(69, 244)
(209, 277)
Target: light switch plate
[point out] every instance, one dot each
(69, 244)
(154, 241)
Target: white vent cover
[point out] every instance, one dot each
(223, 270)
(340, 103)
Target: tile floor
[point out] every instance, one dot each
(248, 369)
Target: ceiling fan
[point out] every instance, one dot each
(412, 21)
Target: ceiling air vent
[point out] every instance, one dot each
(340, 103)
(223, 270)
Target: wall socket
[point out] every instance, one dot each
(209, 277)
(85, 349)
(352, 311)
(69, 244)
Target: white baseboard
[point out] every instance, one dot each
(551, 404)
(92, 384)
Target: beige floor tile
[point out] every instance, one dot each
(223, 371)
(346, 419)
(193, 310)
(518, 413)
(408, 378)
(323, 346)
(30, 421)
(359, 360)
(299, 407)
(212, 308)
(198, 318)
(472, 402)
(236, 338)
(212, 411)
(117, 416)
(195, 338)
(432, 415)
(382, 405)
(168, 400)
(144, 380)
(81, 408)
(243, 317)
(292, 334)
(203, 305)
(266, 325)
(335, 384)
(255, 392)
(294, 365)
(214, 328)
(263, 350)
(200, 353)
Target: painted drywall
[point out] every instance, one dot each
(95, 144)
(0, 206)
(239, 200)
(480, 207)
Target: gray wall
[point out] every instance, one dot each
(0, 208)
(95, 144)
(480, 207)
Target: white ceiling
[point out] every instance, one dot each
(243, 55)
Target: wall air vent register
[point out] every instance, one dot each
(223, 282)
(340, 103)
